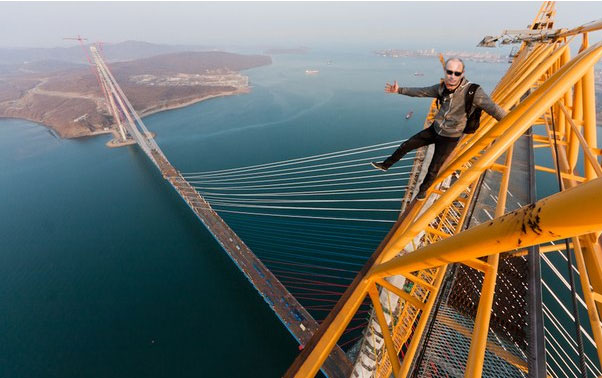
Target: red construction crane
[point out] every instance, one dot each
(92, 65)
(81, 43)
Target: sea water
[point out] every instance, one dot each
(105, 272)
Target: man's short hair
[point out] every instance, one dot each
(455, 60)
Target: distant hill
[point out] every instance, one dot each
(190, 63)
(39, 66)
(15, 60)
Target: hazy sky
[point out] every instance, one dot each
(286, 24)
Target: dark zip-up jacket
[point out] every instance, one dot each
(450, 120)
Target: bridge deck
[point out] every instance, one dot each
(452, 325)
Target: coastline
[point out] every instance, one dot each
(158, 109)
(144, 113)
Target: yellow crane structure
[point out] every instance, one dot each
(544, 87)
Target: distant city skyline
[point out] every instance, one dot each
(277, 24)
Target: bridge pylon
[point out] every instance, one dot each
(114, 102)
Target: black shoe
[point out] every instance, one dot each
(421, 196)
(379, 166)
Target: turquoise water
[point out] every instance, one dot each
(104, 272)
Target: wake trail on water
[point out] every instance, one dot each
(292, 117)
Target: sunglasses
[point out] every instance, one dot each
(449, 72)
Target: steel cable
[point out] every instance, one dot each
(318, 157)
(570, 262)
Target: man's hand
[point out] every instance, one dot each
(391, 88)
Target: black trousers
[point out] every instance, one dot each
(443, 147)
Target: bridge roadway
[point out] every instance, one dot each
(292, 314)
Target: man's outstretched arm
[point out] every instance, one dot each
(484, 102)
(431, 91)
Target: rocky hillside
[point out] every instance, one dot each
(70, 101)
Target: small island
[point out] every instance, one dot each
(71, 103)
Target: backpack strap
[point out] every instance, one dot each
(440, 94)
(472, 89)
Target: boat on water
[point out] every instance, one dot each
(409, 115)
(311, 72)
(418, 74)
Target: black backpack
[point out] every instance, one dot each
(472, 119)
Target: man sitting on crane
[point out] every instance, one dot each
(459, 102)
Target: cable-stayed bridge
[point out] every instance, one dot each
(298, 321)
(454, 288)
